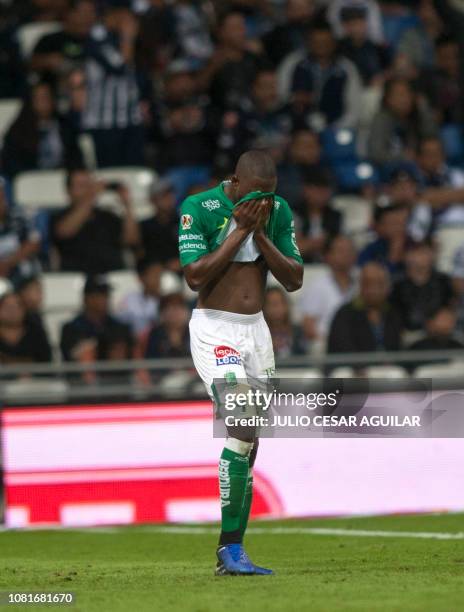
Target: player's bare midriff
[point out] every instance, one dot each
(239, 289)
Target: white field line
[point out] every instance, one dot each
(194, 530)
(427, 535)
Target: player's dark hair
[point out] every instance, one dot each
(256, 163)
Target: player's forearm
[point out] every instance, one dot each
(287, 270)
(199, 273)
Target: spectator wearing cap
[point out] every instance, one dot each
(89, 239)
(373, 17)
(170, 338)
(318, 218)
(369, 322)
(389, 245)
(80, 336)
(330, 289)
(401, 122)
(159, 233)
(140, 308)
(304, 151)
(20, 341)
(423, 290)
(371, 59)
(324, 83)
(19, 242)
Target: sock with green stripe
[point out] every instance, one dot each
(233, 479)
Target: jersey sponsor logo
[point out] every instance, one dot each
(186, 221)
(226, 355)
(211, 204)
(191, 237)
(192, 246)
(223, 224)
(224, 482)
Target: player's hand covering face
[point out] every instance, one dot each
(253, 212)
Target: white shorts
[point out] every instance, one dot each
(223, 342)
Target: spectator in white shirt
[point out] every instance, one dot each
(140, 308)
(331, 289)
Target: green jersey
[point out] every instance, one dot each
(206, 220)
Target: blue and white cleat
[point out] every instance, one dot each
(259, 571)
(234, 561)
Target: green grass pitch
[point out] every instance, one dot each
(145, 569)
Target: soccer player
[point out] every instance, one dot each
(229, 237)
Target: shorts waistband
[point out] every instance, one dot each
(229, 317)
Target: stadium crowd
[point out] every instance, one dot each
(358, 98)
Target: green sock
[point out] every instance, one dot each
(245, 513)
(233, 477)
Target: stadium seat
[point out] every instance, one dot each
(8, 111)
(356, 213)
(30, 34)
(46, 189)
(40, 189)
(342, 372)
(299, 373)
(62, 291)
(176, 383)
(126, 281)
(339, 145)
(138, 180)
(385, 371)
(122, 283)
(448, 240)
(451, 136)
(455, 369)
(34, 390)
(352, 175)
(310, 272)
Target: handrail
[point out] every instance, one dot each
(185, 363)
